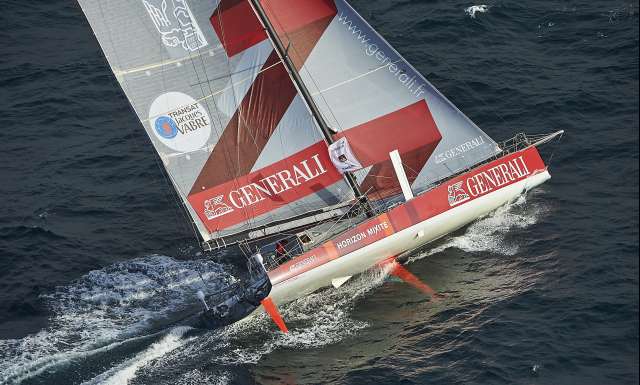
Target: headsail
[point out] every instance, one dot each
(373, 97)
(238, 142)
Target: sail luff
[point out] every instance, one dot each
(119, 75)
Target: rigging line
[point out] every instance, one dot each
(302, 89)
(416, 173)
(186, 204)
(217, 117)
(553, 151)
(303, 67)
(212, 94)
(225, 151)
(181, 205)
(161, 64)
(354, 78)
(124, 83)
(292, 207)
(248, 220)
(300, 204)
(175, 191)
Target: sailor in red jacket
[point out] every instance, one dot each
(281, 251)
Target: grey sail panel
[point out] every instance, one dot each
(219, 108)
(372, 96)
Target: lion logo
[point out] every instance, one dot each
(457, 194)
(215, 207)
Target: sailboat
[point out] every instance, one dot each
(292, 129)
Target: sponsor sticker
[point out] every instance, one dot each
(459, 150)
(279, 184)
(175, 23)
(166, 127)
(215, 207)
(486, 180)
(179, 122)
(456, 194)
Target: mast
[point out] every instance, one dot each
(297, 80)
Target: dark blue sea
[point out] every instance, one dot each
(98, 264)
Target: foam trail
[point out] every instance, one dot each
(471, 11)
(316, 320)
(197, 377)
(43, 364)
(108, 308)
(126, 371)
(488, 233)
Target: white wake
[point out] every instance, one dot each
(490, 233)
(107, 309)
(123, 304)
(126, 371)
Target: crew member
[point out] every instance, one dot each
(281, 250)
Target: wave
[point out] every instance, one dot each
(108, 309)
(123, 373)
(123, 312)
(471, 11)
(316, 320)
(490, 233)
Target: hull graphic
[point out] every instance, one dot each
(417, 222)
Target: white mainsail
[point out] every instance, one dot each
(238, 142)
(237, 139)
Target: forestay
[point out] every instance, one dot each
(368, 93)
(238, 143)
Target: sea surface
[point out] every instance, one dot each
(98, 265)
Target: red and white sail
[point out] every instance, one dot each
(239, 143)
(370, 94)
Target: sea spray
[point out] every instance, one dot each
(126, 371)
(489, 233)
(120, 305)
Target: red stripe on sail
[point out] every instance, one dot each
(299, 24)
(291, 15)
(265, 190)
(250, 127)
(411, 130)
(262, 108)
(237, 26)
(405, 129)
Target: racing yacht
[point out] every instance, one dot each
(292, 129)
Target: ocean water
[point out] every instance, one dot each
(98, 266)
